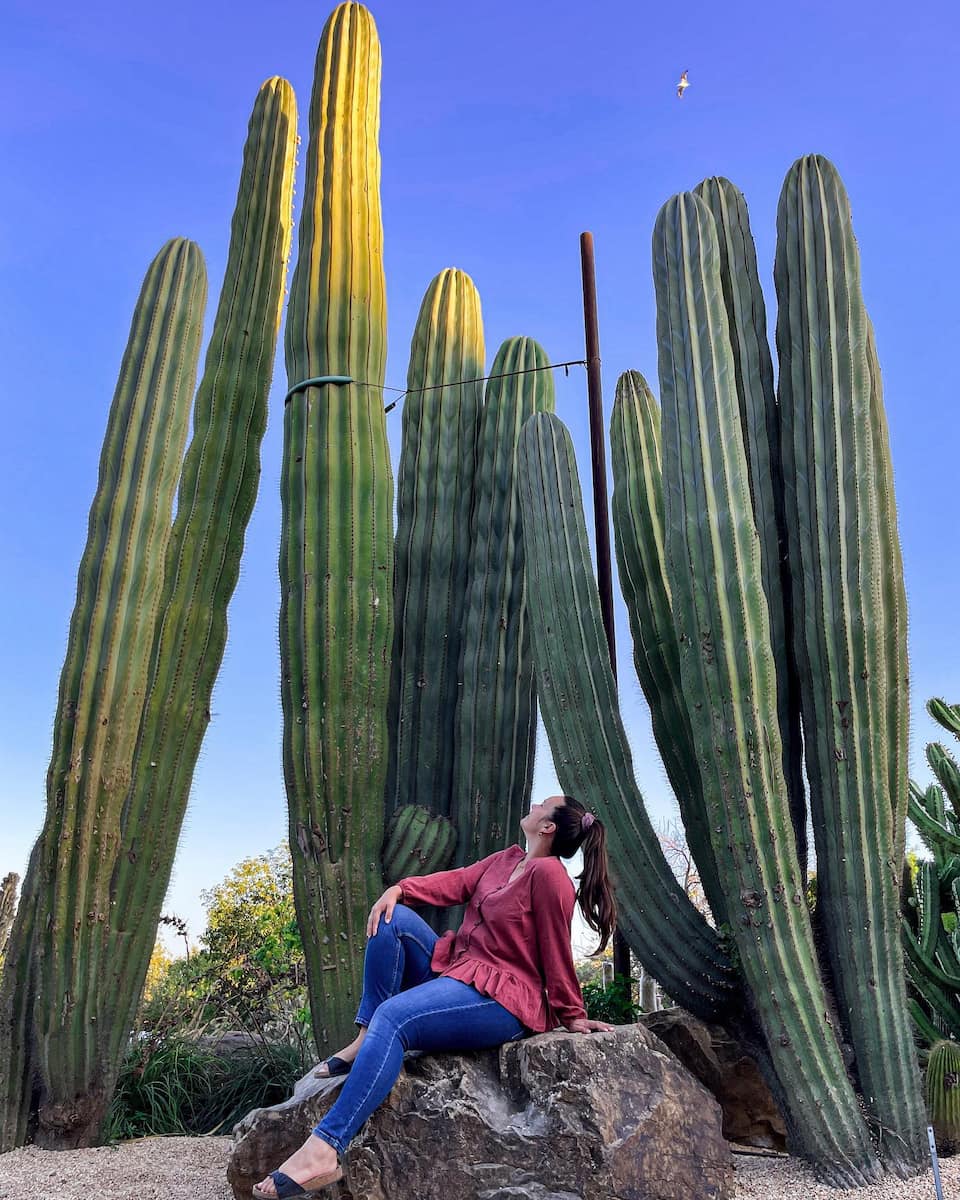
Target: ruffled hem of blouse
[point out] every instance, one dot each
(504, 987)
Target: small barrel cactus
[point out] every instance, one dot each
(943, 1094)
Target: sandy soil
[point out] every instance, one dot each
(195, 1169)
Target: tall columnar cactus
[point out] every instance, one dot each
(146, 641)
(336, 556)
(578, 701)
(760, 425)
(495, 730)
(640, 543)
(217, 493)
(435, 484)
(66, 898)
(820, 463)
(850, 631)
(494, 738)
(728, 672)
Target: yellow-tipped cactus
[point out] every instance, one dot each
(336, 555)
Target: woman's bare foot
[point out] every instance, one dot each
(314, 1158)
(348, 1053)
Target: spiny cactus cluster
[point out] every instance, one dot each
(931, 893)
(758, 555)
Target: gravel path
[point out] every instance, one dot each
(195, 1169)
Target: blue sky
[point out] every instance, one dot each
(506, 130)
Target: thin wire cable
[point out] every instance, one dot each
(435, 387)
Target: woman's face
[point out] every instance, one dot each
(538, 813)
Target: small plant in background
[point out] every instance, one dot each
(943, 1095)
(248, 974)
(931, 894)
(610, 1002)
(174, 1085)
(8, 906)
(247, 977)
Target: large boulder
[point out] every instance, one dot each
(750, 1115)
(557, 1116)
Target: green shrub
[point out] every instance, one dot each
(171, 1085)
(611, 1003)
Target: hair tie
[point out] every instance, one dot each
(587, 820)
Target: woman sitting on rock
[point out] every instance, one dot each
(505, 973)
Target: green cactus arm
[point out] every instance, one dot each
(218, 490)
(102, 687)
(894, 599)
(435, 485)
(933, 832)
(336, 543)
(926, 889)
(950, 871)
(948, 980)
(728, 676)
(946, 955)
(760, 424)
(942, 1001)
(18, 987)
(947, 715)
(641, 560)
(417, 841)
(947, 773)
(841, 545)
(578, 702)
(926, 1029)
(496, 704)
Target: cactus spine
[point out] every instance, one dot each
(147, 639)
(441, 418)
(336, 557)
(850, 634)
(578, 700)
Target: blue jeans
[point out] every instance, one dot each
(407, 1006)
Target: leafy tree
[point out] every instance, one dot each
(249, 971)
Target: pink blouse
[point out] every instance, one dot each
(514, 941)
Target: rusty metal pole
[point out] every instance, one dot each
(598, 457)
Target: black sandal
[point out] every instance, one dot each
(335, 1066)
(287, 1187)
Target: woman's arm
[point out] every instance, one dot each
(443, 888)
(553, 903)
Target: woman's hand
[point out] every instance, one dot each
(585, 1025)
(386, 905)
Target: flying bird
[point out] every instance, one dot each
(682, 85)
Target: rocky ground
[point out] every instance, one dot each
(195, 1169)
